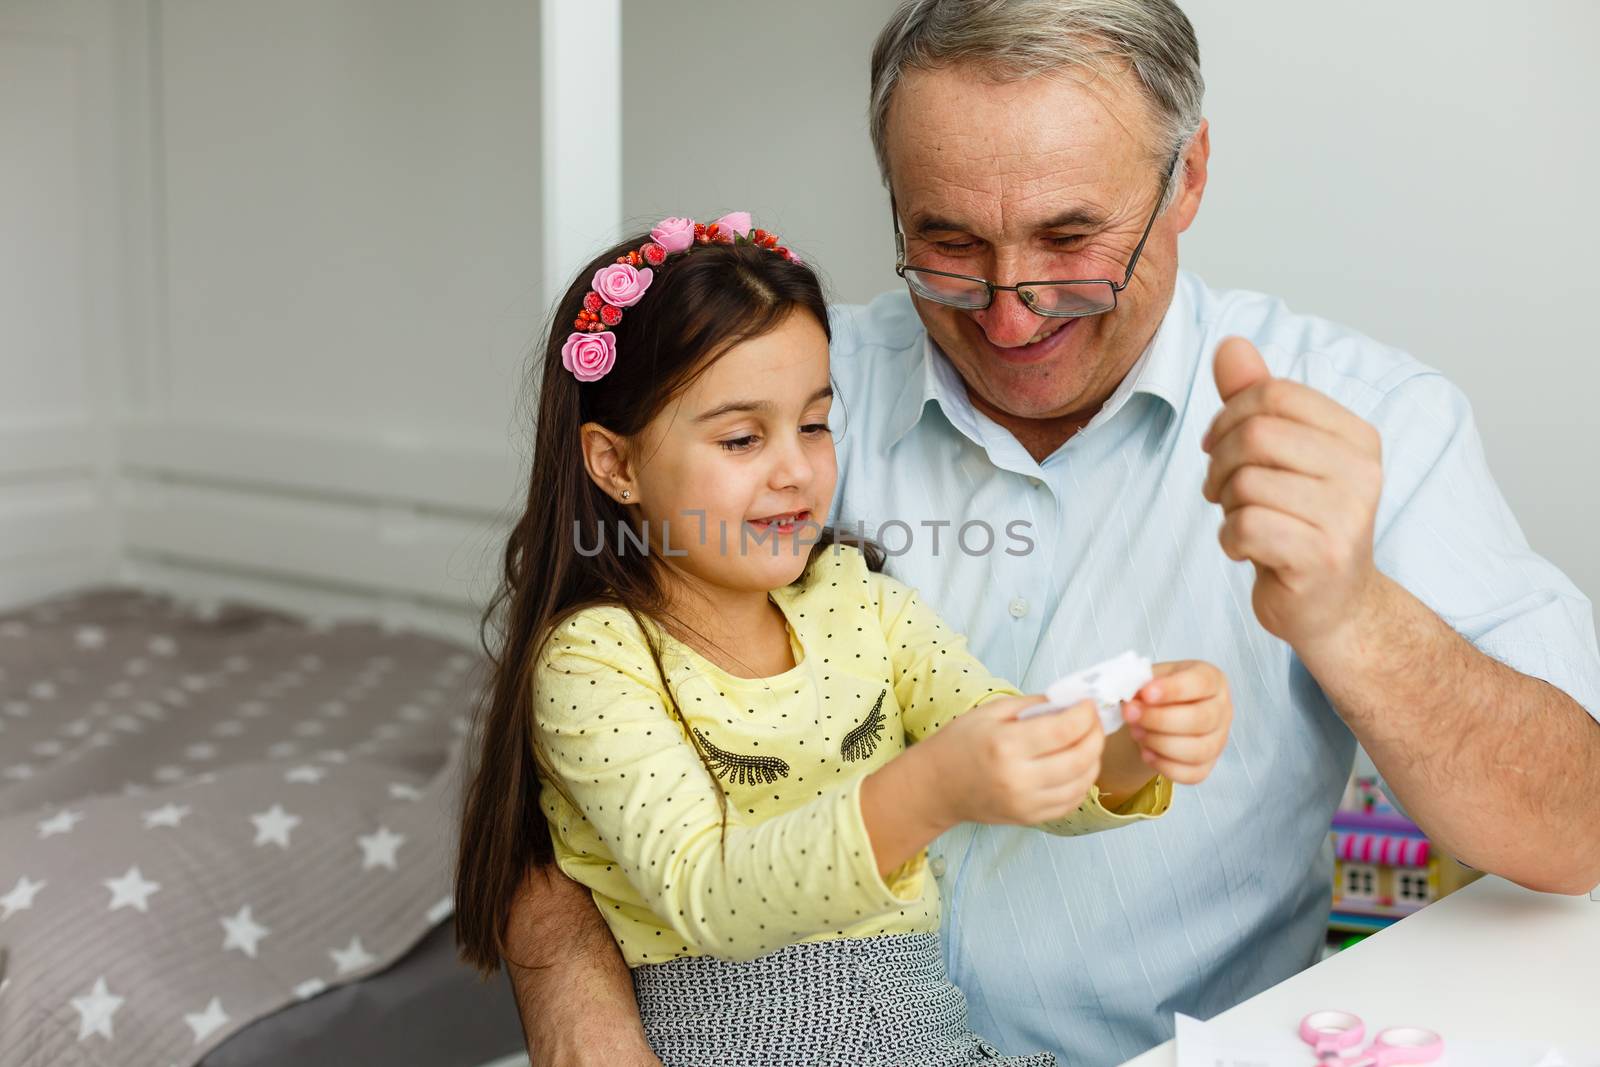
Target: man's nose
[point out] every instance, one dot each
(1007, 321)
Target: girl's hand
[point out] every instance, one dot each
(1180, 720)
(992, 767)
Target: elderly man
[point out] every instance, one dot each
(1051, 365)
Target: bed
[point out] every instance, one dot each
(226, 838)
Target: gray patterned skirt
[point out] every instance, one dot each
(869, 1002)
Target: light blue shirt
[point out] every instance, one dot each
(1086, 946)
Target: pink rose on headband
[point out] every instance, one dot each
(621, 285)
(589, 355)
(673, 234)
(736, 221)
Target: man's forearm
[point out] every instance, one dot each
(573, 989)
(1501, 770)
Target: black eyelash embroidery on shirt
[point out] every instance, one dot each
(743, 770)
(862, 741)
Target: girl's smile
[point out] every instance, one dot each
(784, 524)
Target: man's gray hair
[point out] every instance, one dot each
(1015, 39)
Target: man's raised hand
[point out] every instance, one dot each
(1298, 477)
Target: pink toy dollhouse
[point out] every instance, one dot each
(1384, 868)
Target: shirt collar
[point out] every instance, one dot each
(1164, 370)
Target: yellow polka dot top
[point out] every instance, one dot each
(634, 801)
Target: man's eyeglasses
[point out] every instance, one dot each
(1054, 299)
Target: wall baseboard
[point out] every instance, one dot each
(427, 474)
(338, 544)
(396, 530)
(45, 449)
(58, 528)
(206, 585)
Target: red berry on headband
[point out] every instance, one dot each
(654, 254)
(592, 301)
(610, 315)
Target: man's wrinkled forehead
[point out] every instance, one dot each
(1032, 147)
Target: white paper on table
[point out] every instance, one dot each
(1201, 1044)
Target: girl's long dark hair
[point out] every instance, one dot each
(699, 305)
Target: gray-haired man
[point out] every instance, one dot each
(1370, 583)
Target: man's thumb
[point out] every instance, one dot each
(1238, 366)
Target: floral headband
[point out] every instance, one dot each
(591, 350)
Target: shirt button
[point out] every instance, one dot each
(1018, 608)
(936, 865)
(1036, 483)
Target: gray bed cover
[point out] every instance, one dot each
(207, 818)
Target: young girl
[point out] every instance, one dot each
(741, 741)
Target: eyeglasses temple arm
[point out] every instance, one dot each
(899, 238)
(1172, 169)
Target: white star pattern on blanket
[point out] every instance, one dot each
(378, 850)
(167, 815)
(205, 1023)
(244, 933)
(132, 890)
(60, 824)
(20, 897)
(352, 957)
(273, 826)
(310, 988)
(96, 1009)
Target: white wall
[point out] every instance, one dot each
(759, 105)
(57, 527)
(1372, 162)
(1425, 172)
(345, 242)
(304, 238)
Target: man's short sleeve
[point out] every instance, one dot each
(1446, 534)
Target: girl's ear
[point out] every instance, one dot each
(605, 457)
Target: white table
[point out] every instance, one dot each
(1489, 961)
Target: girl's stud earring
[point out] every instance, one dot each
(626, 494)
